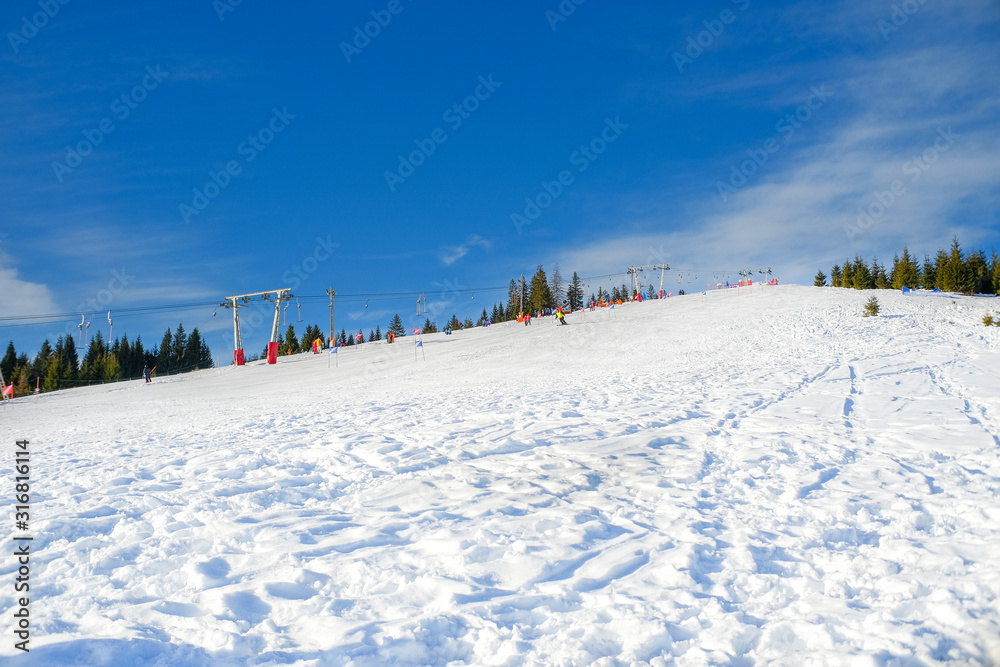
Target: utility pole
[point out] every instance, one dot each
(332, 294)
(522, 294)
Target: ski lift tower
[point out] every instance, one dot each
(633, 271)
(280, 296)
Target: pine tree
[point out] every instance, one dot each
(22, 386)
(847, 277)
(205, 359)
(124, 356)
(819, 280)
(942, 271)
(428, 327)
(192, 351)
(929, 276)
(978, 269)
(995, 271)
(539, 295)
(177, 364)
(139, 359)
(574, 294)
(163, 361)
(291, 344)
(835, 276)
(953, 274)
(342, 338)
(9, 363)
(905, 272)
(396, 327)
(378, 333)
(54, 374)
(110, 370)
(91, 367)
(513, 299)
(40, 366)
(556, 296)
(454, 323)
(70, 361)
(861, 274)
(879, 277)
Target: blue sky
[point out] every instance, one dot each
(166, 154)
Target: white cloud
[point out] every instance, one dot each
(454, 253)
(799, 211)
(22, 297)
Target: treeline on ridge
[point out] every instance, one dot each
(949, 271)
(60, 367)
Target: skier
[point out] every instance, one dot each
(146, 372)
(527, 319)
(560, 316)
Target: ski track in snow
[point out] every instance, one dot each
(761, 477)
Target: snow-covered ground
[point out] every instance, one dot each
(752, 477)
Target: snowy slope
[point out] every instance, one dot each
(752, 477)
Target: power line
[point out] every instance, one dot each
(30, 320)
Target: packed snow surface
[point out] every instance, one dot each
(753, 476)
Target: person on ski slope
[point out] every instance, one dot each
(560, 316)
(146, 373)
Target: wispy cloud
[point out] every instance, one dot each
(924, 117)
(452, 254)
